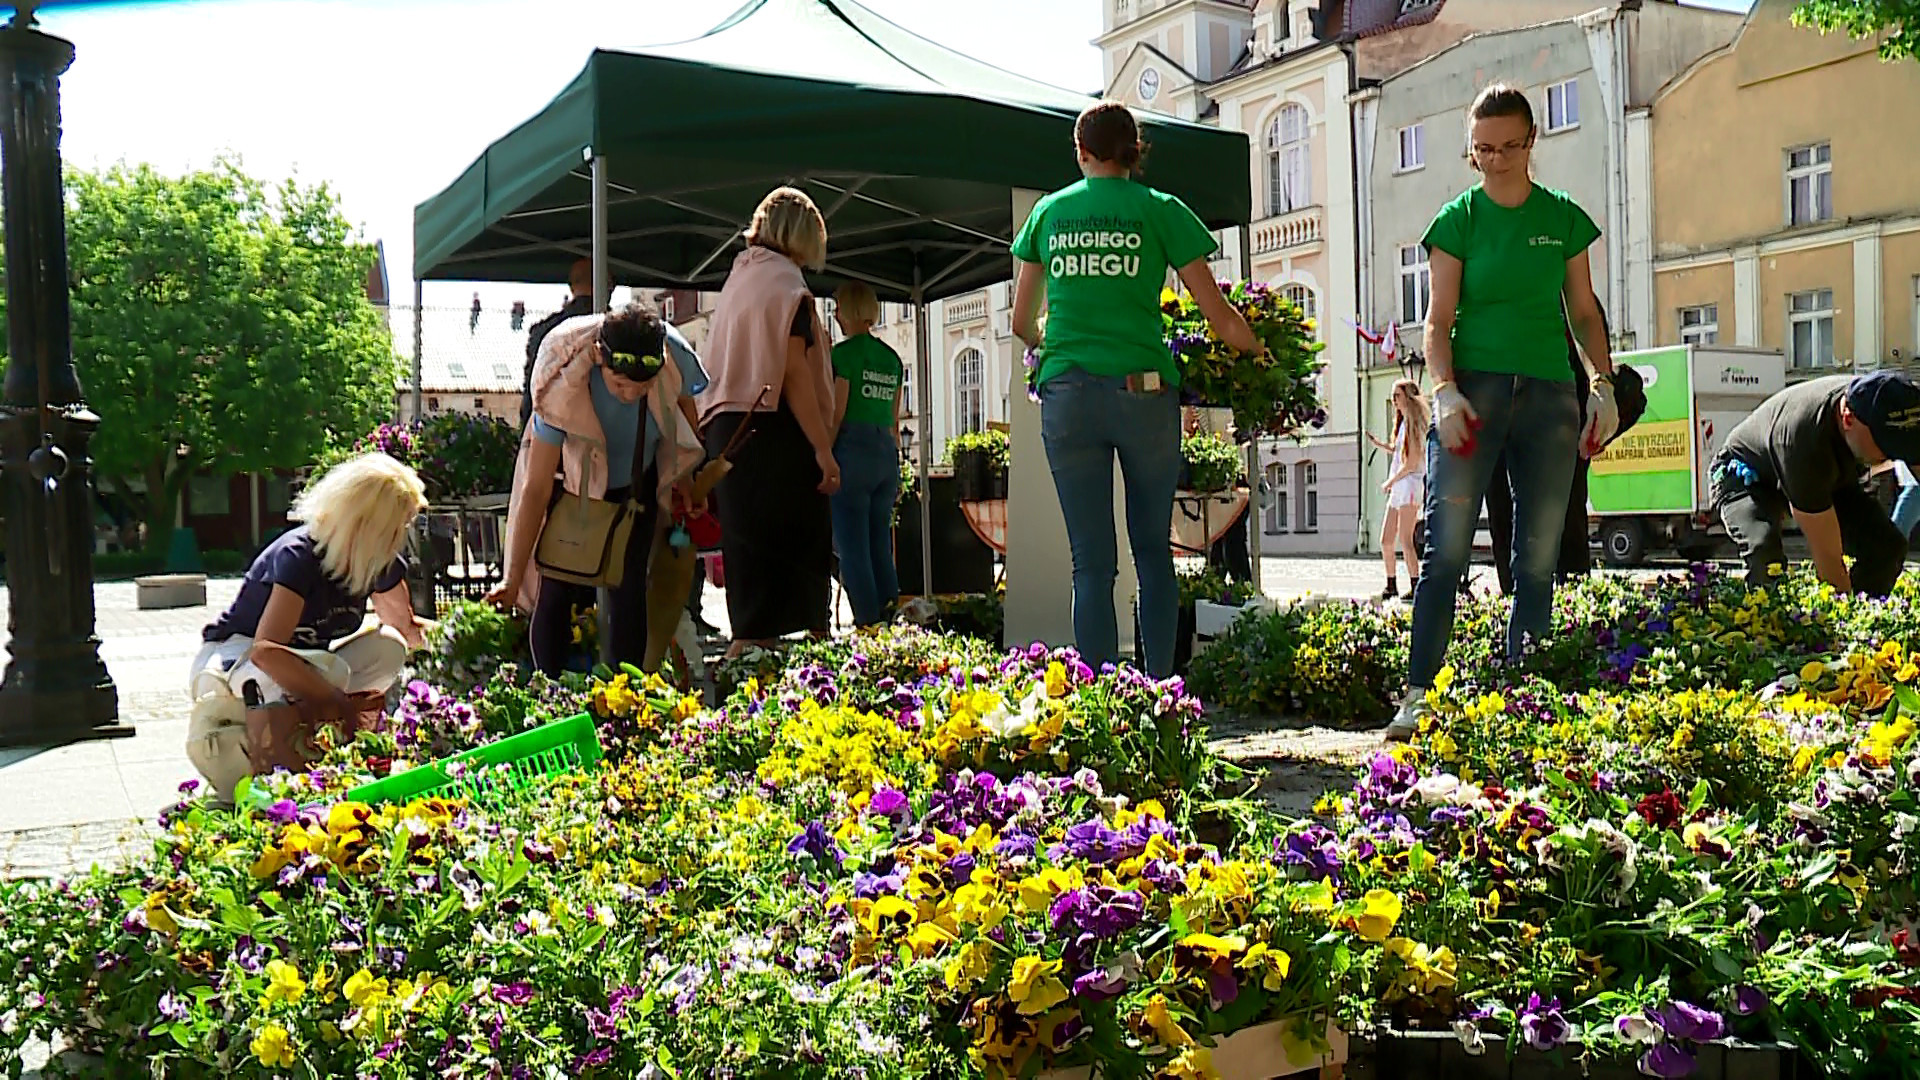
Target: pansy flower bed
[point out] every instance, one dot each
(908, 855)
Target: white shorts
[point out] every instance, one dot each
(1408, 491)
(370, 659)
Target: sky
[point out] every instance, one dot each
(387, 101)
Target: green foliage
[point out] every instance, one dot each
(458, 455)
(469, 642)
(1271, 393)
(1213, 463)
(1212, 586)
(994, 444)
(218, 326)
(1899, 20)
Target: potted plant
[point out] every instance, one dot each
(979, 460)
(1210, 464)
(1270, 393)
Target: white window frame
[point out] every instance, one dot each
(1816, 173)
(1410, 148)
(1289, 160)
(1309, 496)
(1416, 275)
(1278, 518)
(1705, 327)
(456, 370)
(969, 391)
(1814, 309)
(1563, 106)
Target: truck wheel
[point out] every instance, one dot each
(1622, 542)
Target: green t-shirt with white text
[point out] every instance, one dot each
(872, 371)
(1105, 244)
(1509, 320)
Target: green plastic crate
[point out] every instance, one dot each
(530, 758)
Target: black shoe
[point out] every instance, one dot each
(1413, 587)
(1392, 591)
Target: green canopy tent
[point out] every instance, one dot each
(652, 163)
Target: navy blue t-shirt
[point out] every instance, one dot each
(331, 612)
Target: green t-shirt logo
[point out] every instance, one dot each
(872, 370)
(1106, 244)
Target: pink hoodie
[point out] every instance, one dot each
(562, 398)
(747, 344)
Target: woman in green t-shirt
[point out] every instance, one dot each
(1107, 381)
(1509, 265)
(866, 418)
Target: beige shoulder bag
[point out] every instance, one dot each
(585, 540)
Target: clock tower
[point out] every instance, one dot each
(1160, 54)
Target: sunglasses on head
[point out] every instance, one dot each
(629, 366)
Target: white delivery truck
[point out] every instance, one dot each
(1649, 490)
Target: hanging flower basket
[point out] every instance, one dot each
(1270, 393)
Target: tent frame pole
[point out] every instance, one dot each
(418, 351)
(1255, 476)
(602, 293)
(923, 364)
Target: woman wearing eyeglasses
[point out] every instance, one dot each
(603, 394)
(1504, 255)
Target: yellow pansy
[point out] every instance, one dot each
(1193, 1063)
(1160, 1021)
(284, 983)
(1034, 987)
(1269, 963)
(969, 965)
(1380, 911)
(978, 903)
(1056, 679)
(1039, 891)
(362, 989)
(273, 1047)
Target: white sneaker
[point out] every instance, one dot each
(1406, 722)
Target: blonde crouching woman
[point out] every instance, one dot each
(294, 645)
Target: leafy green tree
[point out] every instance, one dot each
(219, 327)
(1899, 20)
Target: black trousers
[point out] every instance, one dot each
(1576, 558)
(776, 529)
(1754, 518)
(1230, 554)
(551, 632)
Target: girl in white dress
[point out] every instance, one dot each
(1407, 486)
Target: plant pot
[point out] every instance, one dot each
(1441, 1056)
(1259, 1052)
(1210, 620)
(972, 474)
(997, 484)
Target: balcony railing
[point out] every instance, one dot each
(967, 309)
(1297, 228)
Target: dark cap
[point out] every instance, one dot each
(1889, 404)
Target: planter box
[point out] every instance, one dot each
(165, 591)
(1210, 620)
(1439, 1055)
(1255, 1053)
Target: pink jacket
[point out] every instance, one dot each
(747, 344)
(561, 397)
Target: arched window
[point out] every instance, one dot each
(1289, 185)
(1309, 496)
(1276, 499)
(969, 398)
(1302, 297)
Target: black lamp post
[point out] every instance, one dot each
(56, 688)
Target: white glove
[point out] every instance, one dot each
(1603, 418)
(1454, 418)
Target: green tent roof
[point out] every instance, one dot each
(911, 148)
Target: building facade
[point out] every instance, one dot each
(1584, 75)
(1784, 191)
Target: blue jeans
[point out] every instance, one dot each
(863, 519)
(1085, 421)
(1537, 423)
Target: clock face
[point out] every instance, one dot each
(1149, 84)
